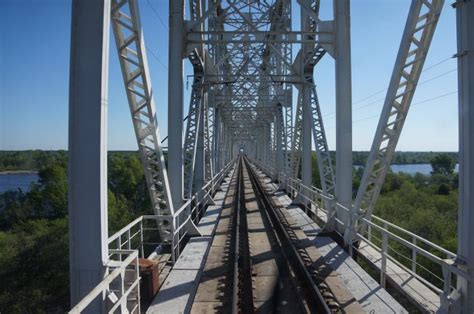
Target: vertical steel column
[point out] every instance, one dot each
(306, 164)
(199, 172)
(279, 126)
(342, 47)
(88, 87)
(465, 36)
(175, 100)
(268, 145)
(215, 141)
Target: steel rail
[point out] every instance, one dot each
(313, 297)
(236, 236)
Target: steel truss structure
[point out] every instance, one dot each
(244, 76)
(125, 20)
(419, 30)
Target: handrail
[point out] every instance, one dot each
(199, 198)
(181, 218)
(314, 195)
(105, 284)
(124, 229)
(427, 242)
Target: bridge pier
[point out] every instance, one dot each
(88, 251)
(465, 55)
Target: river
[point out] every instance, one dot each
(414, 168)
(13, 181)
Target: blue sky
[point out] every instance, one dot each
(34, 75)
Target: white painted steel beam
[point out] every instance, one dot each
(418, 33)
(342, 47)
(175, 100)
(465, 56)
(88, 102)
(130, 43)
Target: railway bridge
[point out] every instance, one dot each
(235, 224)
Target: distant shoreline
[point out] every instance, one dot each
(18, 172)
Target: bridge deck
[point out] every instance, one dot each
(367, 291)
(425, 298)
(179, 289)
(416, 291)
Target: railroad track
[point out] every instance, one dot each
(258, 263)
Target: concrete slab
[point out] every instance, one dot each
(415, 290)
(177, 292)
(207, 223)
(206, 307)
(193, 254)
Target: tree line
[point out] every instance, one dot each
(37, 159)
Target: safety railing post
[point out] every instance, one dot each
(383, 268)
(123, 306)
(141, 240)
(137, 277)
(129, 244)
(413, 256)
(369, 233)
(446, 286)
(349, 227)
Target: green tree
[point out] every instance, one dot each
(34, 267)
(119, 215)
(443, 164)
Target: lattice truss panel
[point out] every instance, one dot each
(296, 148)
(130, 45)
(245, 57)
(199, 111)
(193, 121)
(323, 154)
(310, 54)
(419, 29)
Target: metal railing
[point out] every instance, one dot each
(120, 288)
(404, 248)
(139, 233)
(193, 209)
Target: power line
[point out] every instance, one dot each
(157, 58)
(414, 104)
(382, 99)
(438, 63)
(157, 15)
(424, 70)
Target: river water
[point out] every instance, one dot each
(14, 181)
(414, 168)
